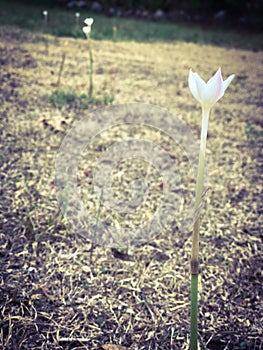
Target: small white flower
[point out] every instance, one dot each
(89, 21)
(86, 30)
(77, 14)
(207, 94)
(45, 13)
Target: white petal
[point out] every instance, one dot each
(215, 77)
(192, 85)
(89, 21)
(86, 31)
(201, 88)
(227, 82)
(214, 88)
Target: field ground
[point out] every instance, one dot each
(58, 291)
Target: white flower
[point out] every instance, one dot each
(89, 21)
(207, 94)
(86, 30)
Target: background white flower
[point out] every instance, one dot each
(89, 21)
(86, 30)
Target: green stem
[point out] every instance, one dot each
(90, 70)
(61, 68)
(194, 312)
(195, 237)
(96, 226)
(45, 32)
(201, 163)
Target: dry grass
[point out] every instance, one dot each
(55, 294)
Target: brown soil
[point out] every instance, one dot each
(57, 290)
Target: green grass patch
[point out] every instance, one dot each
(62, 22)
(254, 133)
(60, 98)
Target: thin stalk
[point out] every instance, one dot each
(195, 236)
(46, 46)
(115, 31)
(96, 226)
(194, 313)
(77, 15)
(61, 68)
(45, 14)
(90, 70)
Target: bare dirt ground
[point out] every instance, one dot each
(55, 293)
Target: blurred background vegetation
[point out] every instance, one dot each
(249, 13)
(190, 21)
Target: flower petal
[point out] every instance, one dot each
(89, 21)
(201, 88)
(217, 74)
(214, 89)
(227, 82)
(86, 30)
(192, 85)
